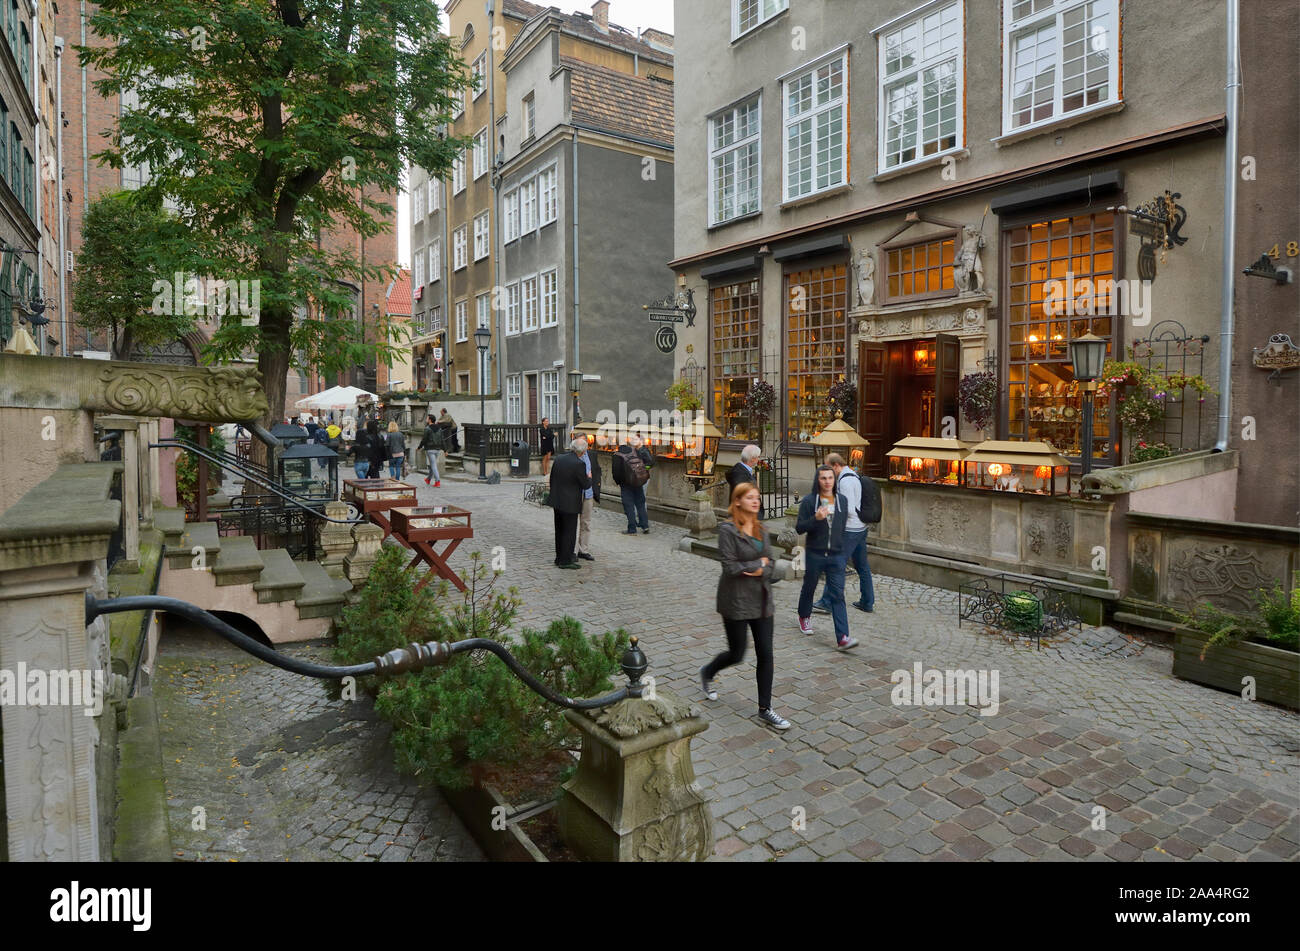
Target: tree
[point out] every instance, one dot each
(127, 241)
(269, 124)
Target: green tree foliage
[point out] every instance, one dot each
(127, 242)
(271, 126)
(451, 720)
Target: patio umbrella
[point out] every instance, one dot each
(336, 397)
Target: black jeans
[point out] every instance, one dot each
(762, 628)
(566, 537)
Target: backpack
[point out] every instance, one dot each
(635, 473)
(869, 510)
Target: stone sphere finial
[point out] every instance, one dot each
(634, 665)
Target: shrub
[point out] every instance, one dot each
(1145, 452)
(1275, 621)
(187, 465)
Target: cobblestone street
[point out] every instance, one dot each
(1092, 720)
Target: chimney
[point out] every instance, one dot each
(600, 15)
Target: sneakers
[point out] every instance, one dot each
(845, 643)
(426, 481)
(707, 687)
(805, 625)
(821, 607)
(862, 607)
(585, 556)
(645, 531)
(437, 484)
(774, 719)
(630, 531)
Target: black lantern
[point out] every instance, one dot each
(1088, 354)
(289, 434)
(700, 442)
(575, 385)
(300, 470)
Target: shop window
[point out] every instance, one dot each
(816, 301)
(735, 319)
(920, 271)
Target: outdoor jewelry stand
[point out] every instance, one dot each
(419, 528)
(374, 497)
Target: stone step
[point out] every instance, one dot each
(171, 523)
(195, 535)
(322, 596)
(239, 561)
(281, 580)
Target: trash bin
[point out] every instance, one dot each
(519, 455)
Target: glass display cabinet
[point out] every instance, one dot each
(1033, 468)
(932, 461)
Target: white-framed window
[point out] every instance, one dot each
(551, 395)
(417, 269)
(921, 87)
(417, 203)
(483, 307)
(815, 104)
(460, 105)
(480, 152)
(462, 321)
(747, 14)
(459, 248)
(514, 399)
(528, 290)
(458, 174)
(512, 215)
(435, 195)
(481, 236)
(479, 71)
(528, 206)
(735, 169)
(550, 294)
(512, 309)
(435, 260)
(549, 205)
(1060, 57)
(435, 320)
(530, 116)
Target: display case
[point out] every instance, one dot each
(1048, 407)
(932, 461)
(1032, 468)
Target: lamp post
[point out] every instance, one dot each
(575, 385)
(1088, 354)
(482, 340)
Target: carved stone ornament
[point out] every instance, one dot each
(968, 270)
(972, 320)
(632, 716)
(202, 393)
(1223, 575)
(866, 278)
(1280, 354)
(941, 321)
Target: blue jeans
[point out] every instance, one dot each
(833, 567)
(361, 467)
(432, 456)
(634, 507)
(855, 553)
(395, 467)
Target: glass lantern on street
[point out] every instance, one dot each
(309, 470)
(932, 461)
(700, 441)
(840, 437)
(1032, 468)
(289, 434)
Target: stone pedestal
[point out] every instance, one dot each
(634, 798)
(335, 540)
(366, 539)
(702, 520)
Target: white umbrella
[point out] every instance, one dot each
(336, 397)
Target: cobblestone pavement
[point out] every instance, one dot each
(1092, 720)
(281, 770)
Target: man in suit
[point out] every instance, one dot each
(569, 483)
(590, 499)
(743, 471)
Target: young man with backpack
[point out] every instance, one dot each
(631, 472)
(864, 508)
(432, 442)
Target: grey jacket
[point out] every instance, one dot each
(396, 444)
(740, 597)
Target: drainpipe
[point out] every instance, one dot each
(490, 79)
(573, 203)
(58, 187)
(1232, 85)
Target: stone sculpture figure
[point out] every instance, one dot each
(968, 271)
(866, 277)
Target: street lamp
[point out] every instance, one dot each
(1088, 354)
(482, 340)
(575, 384)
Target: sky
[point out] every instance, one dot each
(629, 14)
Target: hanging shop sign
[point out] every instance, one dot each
(673, 309)
(666, 339)
(1159, 224)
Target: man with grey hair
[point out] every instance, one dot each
(590, 499)
(569, 483)
(745, 471)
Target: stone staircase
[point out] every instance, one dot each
(289, 600)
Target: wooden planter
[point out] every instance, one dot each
(1276, 671)
(477, 806)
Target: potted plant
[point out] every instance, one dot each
(977, 396)
(760, 403)
(1142, 394)
(843, 398)
(684, 396)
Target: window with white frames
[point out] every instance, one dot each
(512, 309)
(459, 249)
(512, 215)
(551, 394)
(462, 321)
(435, 261)
(528, 206)
(1062, 57)
(530, 116)
(483, 304)
(417, 203)
(480, 152)
(435, 320)
(550, 293)
(921, 86)
(816, 104)
(460, 105)
(417, 269)
(548, 198)
(735, 175)
(480, 74)
(481, 236)
(528, 290)
(435, 195)
(458, 174)
(514, 392)
(747, 14)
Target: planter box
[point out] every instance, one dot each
(477, 806)
(1276, 671)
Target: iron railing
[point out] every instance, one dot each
(500, 437)
(1171, 351)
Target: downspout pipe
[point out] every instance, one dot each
(1232, 86)
(573, 203)
(58, 188)
(494, 180)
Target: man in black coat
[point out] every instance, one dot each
(743, 471)
(569, 483)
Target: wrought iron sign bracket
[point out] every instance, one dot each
(1264, 267)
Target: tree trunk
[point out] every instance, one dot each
(273, 365)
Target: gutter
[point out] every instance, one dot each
(1232, 86)
(573, 201)
(58, 185)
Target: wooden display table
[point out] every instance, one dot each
(419, 528)
(374, 497)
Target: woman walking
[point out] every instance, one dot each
(431, 442)
(396, 450)
(822, 516)
(745, 598)
(372, 447)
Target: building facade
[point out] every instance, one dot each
(890, 193)
(23, 273)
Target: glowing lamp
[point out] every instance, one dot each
(916, 465)
(996, 469)
(1043, 472)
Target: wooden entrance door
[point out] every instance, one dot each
(532, 399)
(873, 395)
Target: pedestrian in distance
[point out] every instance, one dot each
(546, 441)
(590, 499)
(744, 598)
(569, 483)
(396, 446)
(822, 516)
(745, 471)
(449, 430)
(863, 503)
(432, 442)
(373, 446)
(631, 468)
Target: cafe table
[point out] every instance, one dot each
(422, 527)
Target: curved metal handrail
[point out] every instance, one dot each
(399, 661)
(227, 460)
